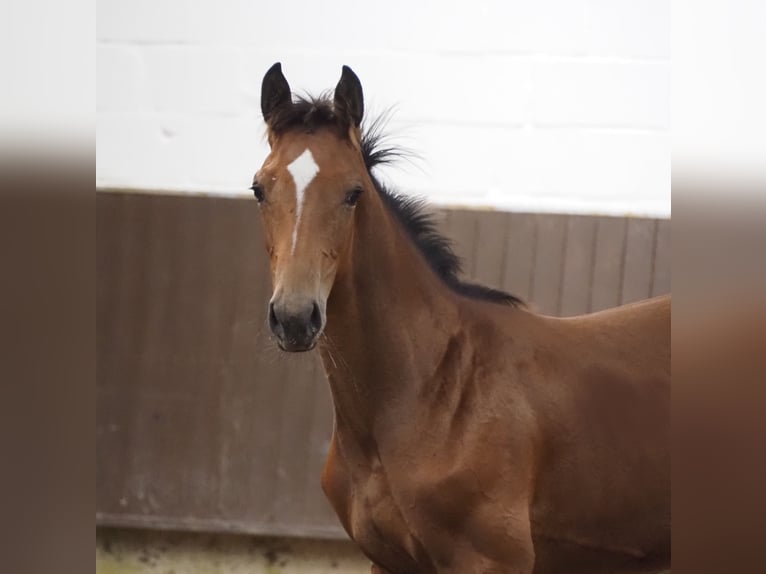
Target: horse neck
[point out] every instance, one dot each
(389, 320)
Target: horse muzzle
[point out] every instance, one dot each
(296, 325)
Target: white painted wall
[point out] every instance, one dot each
(544, 105)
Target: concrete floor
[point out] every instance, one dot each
(122, 551)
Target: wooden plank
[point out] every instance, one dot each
(608, 264)
(462, 228)
(184, 389)
(253, 383)
(295, 442)
(549, 262)
(578, 265)
(490, 249)
(116, 224)
(662, 259)
(173, 462)
(520, 242)
(639, 255)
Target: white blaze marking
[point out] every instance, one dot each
(303, 169)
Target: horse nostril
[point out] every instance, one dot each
(316, 318)
(273, 322)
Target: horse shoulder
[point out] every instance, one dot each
(468, 501)
(469, 522)
(360, 494)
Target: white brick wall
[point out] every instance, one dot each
(556, 105)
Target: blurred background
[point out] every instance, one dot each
(541, 131)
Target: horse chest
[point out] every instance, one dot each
(377, 523)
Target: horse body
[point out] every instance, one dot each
(604, 481)
(534, 440)
(471, 435)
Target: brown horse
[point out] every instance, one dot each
(471, 435)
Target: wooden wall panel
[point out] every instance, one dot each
(462, 227)
(639, 260)
(489, 252)
(520, 245)
(203, 424)
(549, 263)
(606, 285)
(579, 260)
(662, 259)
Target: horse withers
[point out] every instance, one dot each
(471, 435)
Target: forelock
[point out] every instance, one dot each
(307, 114)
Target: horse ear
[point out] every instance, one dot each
(349, 100)
(275, 92)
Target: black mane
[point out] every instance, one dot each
(310, 114)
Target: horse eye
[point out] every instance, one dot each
(257, 192)
(352, 197)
